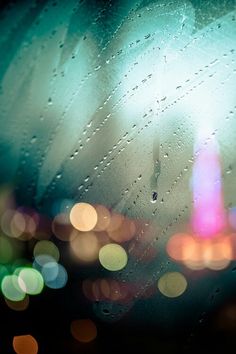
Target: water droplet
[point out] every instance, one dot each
(49, 101)
(154, 197)
(229, 169)
(106, 312)
(33, 139)
(58, 176)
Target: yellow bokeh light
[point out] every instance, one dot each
(172, 284)
(83, 330)
(46, 247)
(113, 257)
(18, 225)
(6, 222)
(83, 216)
(218, 265)
(25, 344)
(218, 254)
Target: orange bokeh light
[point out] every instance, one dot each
(103, 218)
(116, 220)
(180, 247)
(18, 305)
(83, 330)
(124, 232)
(25, 344)
(197, 253)
(83, 217)
(85, 246)
(62, 228)
(108, 289)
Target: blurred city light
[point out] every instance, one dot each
(25, 344)
(83, 330)
(113, 257)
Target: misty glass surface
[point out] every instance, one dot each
(109, 102)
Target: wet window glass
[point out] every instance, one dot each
(117, 183)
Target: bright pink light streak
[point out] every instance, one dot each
(208, 218)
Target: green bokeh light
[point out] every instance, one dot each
(11, 289)
(30, 281)
(6, 250)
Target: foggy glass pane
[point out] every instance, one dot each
(129, 105)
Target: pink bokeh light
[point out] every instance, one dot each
(208, 217)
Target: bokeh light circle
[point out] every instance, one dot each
(6, 250)
(83, 330)
(113, 257)
(103, 218)
(32, 281)
(60, 280)
(50, 271)
(25, 344)
(18, 305)
(83, 216)
(11, 289)
(62, 228)
(85, 247)
(41, 260)
(172, 284)
(46, 247)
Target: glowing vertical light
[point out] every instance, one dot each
(208, 217)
